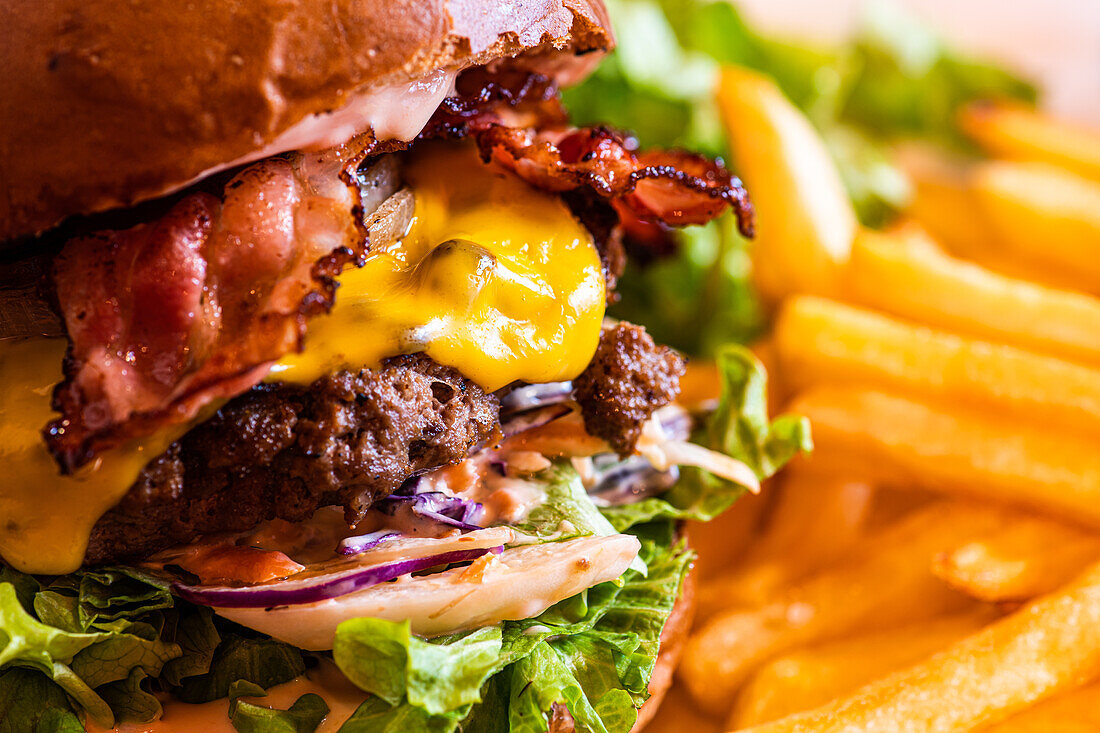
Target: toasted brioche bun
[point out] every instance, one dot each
(108, 104)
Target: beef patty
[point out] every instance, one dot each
(349, 439)
(628, 379)
(285, 450)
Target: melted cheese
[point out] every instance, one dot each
(46, 518)
(494, 278)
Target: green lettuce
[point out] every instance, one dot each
(593, 653)
(565, 503)
(303, 716)
(385, 659)
(739, 427)
(31, 703)
(107, 638)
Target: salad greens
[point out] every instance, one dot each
(739, 428)
(893, 80)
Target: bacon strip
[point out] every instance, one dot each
(167, 316)
(517, 120)
(668, 187)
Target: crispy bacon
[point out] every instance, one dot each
(517, 120)
(669, 187)
(167, 316)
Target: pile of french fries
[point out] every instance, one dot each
(935, 564)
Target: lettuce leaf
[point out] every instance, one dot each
(303, 716)
(739, 427)
(31, 703)
(385, 659)
(565, 501)
(27, 642)
(103, 636)
(593, 653)
(264, 662)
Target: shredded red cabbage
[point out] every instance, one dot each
(453, 511)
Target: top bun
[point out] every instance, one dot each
(107, 104)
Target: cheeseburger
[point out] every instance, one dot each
(311, 413)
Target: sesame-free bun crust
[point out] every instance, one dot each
(108, 103)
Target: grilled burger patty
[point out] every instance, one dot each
(349, 439)
(285, 450)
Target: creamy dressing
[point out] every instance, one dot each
(392, 112)
(326, 680)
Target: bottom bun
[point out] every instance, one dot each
(673, 638)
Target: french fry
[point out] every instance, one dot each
(1043, 649)
(942, 201)
(1029, 558)
(805, 222)
(885, 582)
(721, 542)
(701, 384)
(957, 450)
(945, 205)
(813, 522)
(1073, 712)
(764, 350)
(1043, 215)
(811, 677)
(679, 713)
(919, 283)
(1011, 130)
(825, 342)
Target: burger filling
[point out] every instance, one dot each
(344, 396)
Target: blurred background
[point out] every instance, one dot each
(1056, 43)
(924, 286)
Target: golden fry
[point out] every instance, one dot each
(812, 523)
(1011, 130)
(942, 201)
(885, 583)
(811, 677)
(722, 541)
(679, 713)
(960, 451)
(945, 205)
(1043, 649)
(1028, 558)
(1043, 215)
(805, 222)
(1072, 712)
(919, 283)
(825, 342)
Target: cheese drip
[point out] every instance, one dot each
(46, 518)
(494, 278)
